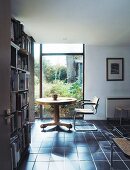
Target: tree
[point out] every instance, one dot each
(50, 74)
(61, 73)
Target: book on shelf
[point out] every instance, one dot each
(14, 80)
(22, 100)
(27, 82)
(13, 123)
(26, 114)
(19, 62)
(16, 31)
(15, 154)
(22, 77)
(23, 55)
(19, 119)
(27, 133)
(13, 98)
(26, 42)
(25, 63)
(13, 56)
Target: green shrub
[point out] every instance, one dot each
(63, 90)
(76, 90)
(57, 87)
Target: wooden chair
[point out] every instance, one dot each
(90, 109)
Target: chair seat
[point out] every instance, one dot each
(84, 111)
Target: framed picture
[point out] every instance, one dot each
(115, 69)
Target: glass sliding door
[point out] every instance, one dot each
(62, 73)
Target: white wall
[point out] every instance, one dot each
(95, 76)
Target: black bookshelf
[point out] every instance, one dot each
(21, 50)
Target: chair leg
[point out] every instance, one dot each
(92, 127)
(74, 119)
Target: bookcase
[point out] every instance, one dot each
(19, 103)
(20, 130)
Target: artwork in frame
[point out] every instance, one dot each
(115, 69)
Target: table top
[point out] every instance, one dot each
(123, 144)
(60, 100)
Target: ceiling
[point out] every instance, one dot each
(93, 22)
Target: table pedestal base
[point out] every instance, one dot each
(57, 124)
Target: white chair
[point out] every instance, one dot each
(90, 109)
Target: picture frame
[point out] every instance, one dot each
(115, 69)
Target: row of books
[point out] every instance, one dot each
(19, 143)
(22, 100)
(19, 58)
(16, 31)
(23, 81)
(22, 117)
(18, 120)
(19, 37)
(22, 62)
(13, 123)
(27, 43)
(19, 80)
(18, 101)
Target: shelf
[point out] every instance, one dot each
(19, 88)
(21, 48)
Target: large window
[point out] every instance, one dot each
(60, 72)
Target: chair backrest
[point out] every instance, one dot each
(95, 100)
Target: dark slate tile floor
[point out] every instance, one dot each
(70, 150)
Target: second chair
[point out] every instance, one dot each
(90, 109)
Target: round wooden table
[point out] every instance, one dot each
(56, 104)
